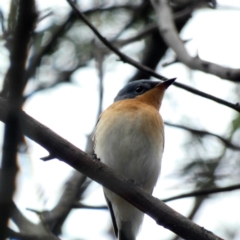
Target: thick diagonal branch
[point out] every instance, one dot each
(99, 172)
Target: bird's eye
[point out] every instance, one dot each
(139, 89)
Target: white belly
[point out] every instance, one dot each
(132, 144)
(126, 145)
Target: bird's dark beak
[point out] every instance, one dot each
(154, 96)
(167, 83)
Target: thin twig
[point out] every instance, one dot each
(146, 31)
(29, 236)
(134, 63)
(153, 27)
(203, 132)
(28, 230)
(56, 217)
(109, 9)
(203, 192)
(138, 12)
(50, 13)
(36, 59)
(175, 60)
(99, 58)
(84, 206)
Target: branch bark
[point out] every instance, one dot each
(13, 88)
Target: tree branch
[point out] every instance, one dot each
(134, 63)
(155, 47)
(111, 8)
(28, 230)
(203, 192)
(140, 11)
(143, 33)
(102, 174)
(226, 142)
(13, 88)
(29, 236)
(185, 195)
(169, 33)
(36, 59)
(84, 206)
(59, 31)
(55, 218)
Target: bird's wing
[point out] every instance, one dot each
(112, 216)
(94, 130)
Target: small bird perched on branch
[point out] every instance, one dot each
(129, 138)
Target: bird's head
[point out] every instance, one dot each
(145, 90)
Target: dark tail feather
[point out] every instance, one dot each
(112, 216)
(126, 232)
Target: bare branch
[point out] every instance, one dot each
(156, 48)
(58, 31)
(99, 58)
(36, 59)
(226, 142)
(21, 236)
(84, 206)
(28, 230)
(169, 33)
(198, 193)
(29, 236)
(175, 60)
(25, 26)
(56, 217)
(203, 192)
(146, 31)
(117, 183)
(13, 88)
(62, 77)
(134, 63)
(47, 158)
(111, 8)
(21, 221)
(140, 10)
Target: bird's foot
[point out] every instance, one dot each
(135, 183)
(95, 157)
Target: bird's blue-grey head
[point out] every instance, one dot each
(135, 88)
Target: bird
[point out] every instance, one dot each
(129, 138)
